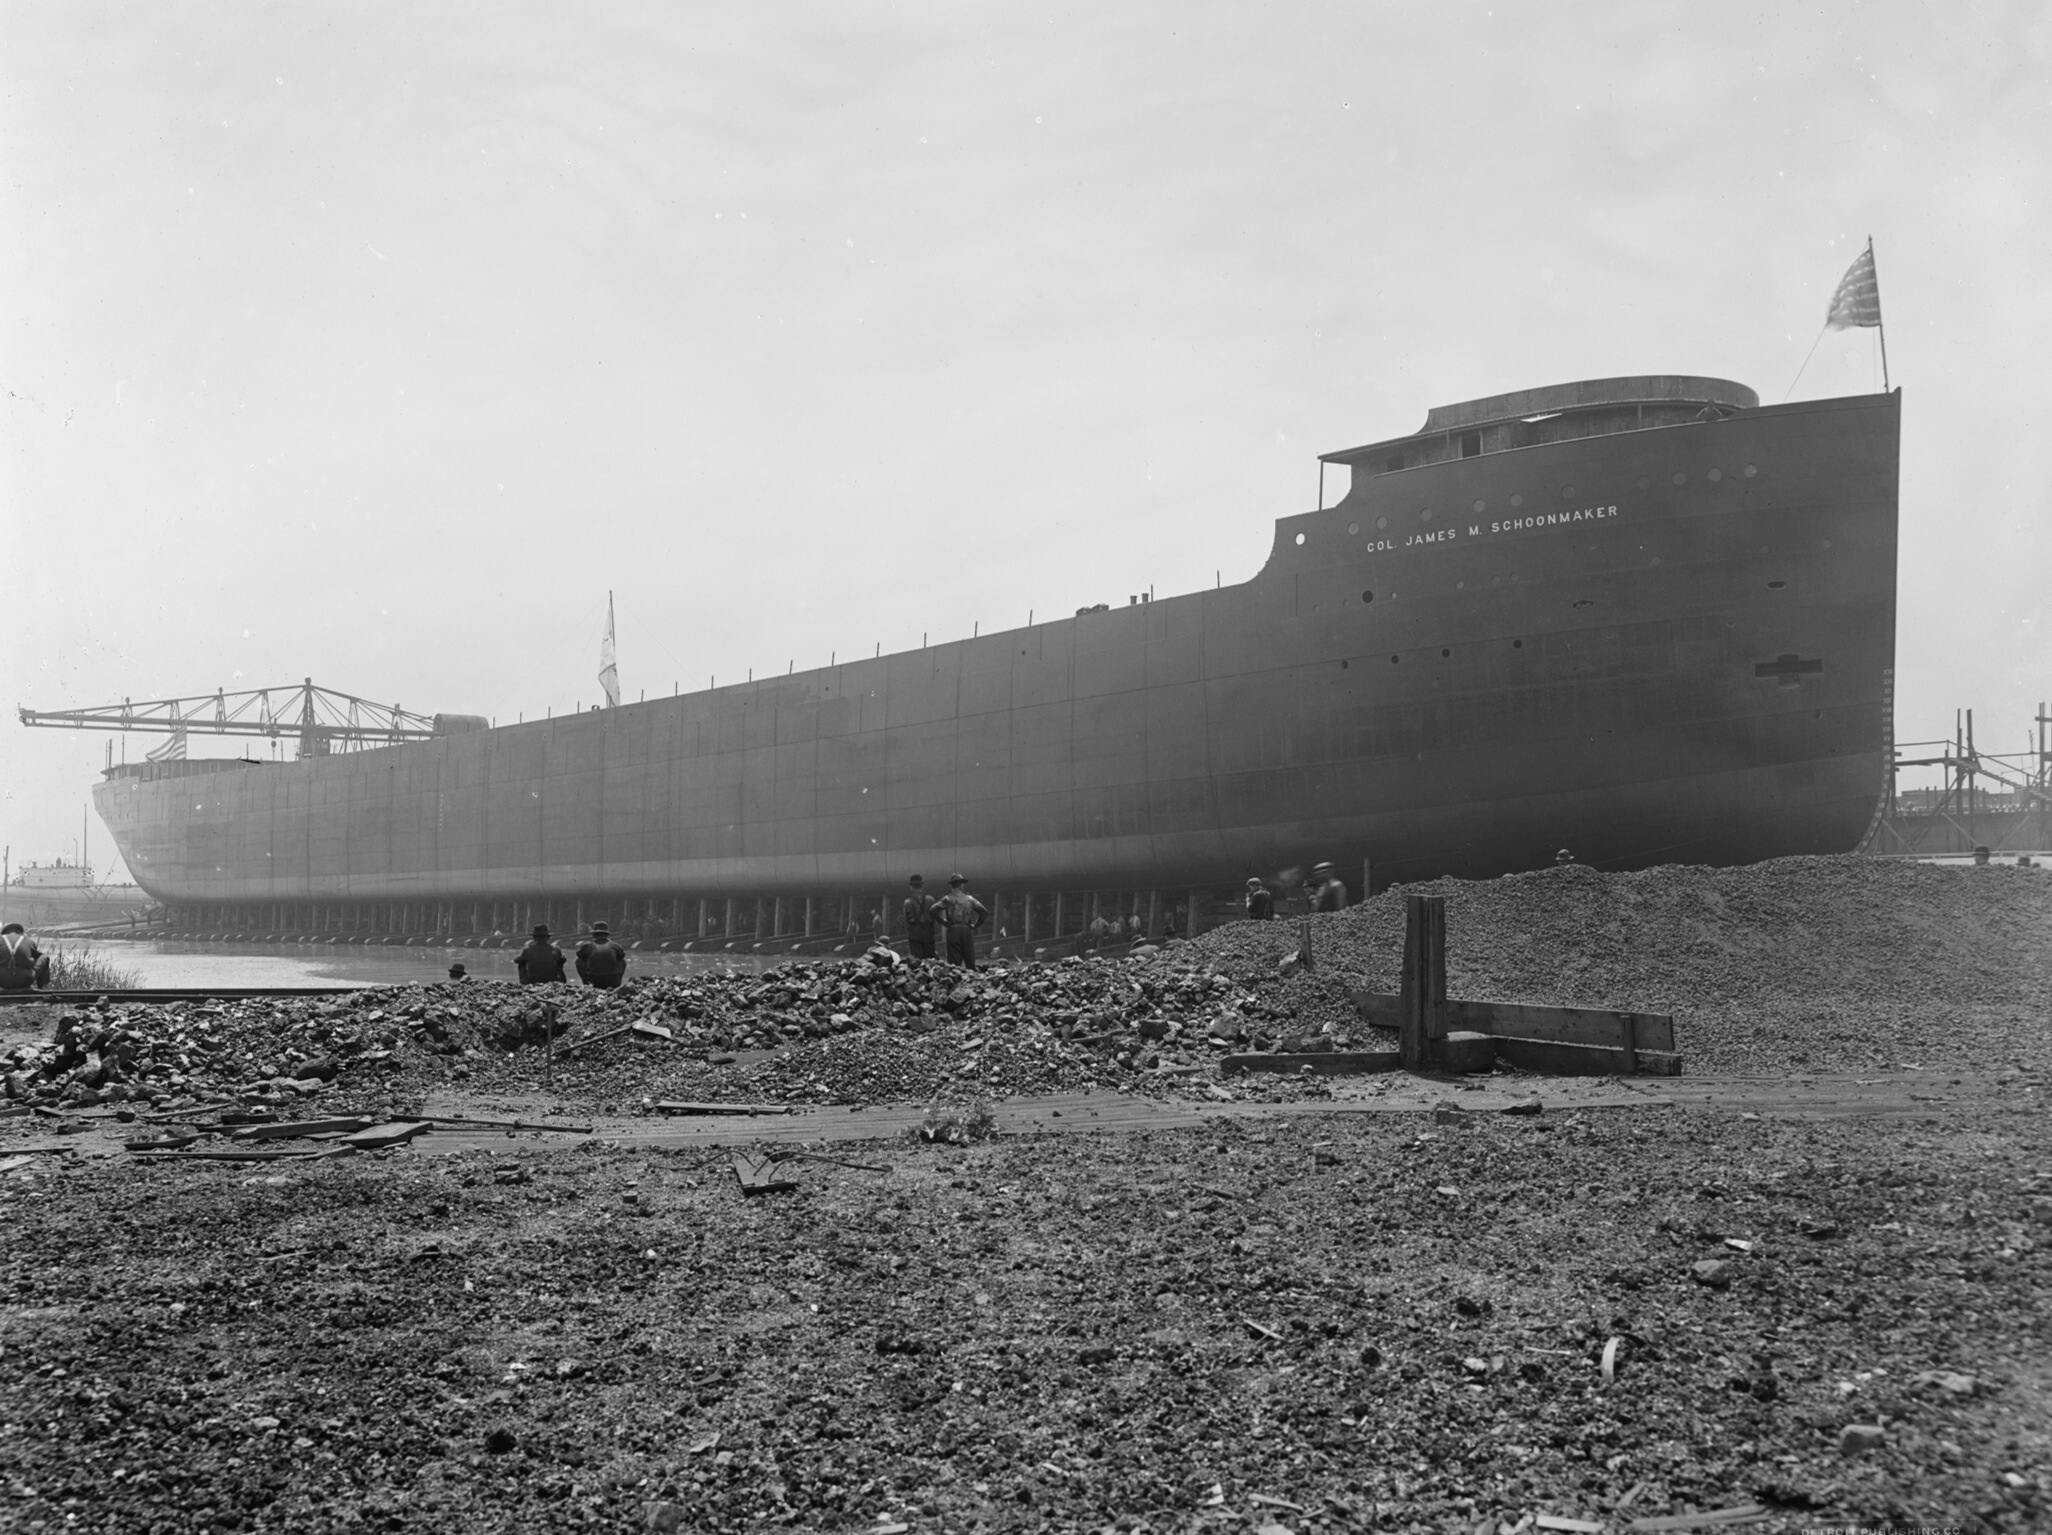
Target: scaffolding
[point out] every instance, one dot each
(1991, 802)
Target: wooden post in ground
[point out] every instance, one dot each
(1421, 1018)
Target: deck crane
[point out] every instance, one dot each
(324, 721)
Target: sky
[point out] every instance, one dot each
(378, 343)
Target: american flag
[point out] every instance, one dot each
(1858, 298)
(172, 750)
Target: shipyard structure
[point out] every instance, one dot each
(1647, 620)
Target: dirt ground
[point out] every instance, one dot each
(1293, 1317)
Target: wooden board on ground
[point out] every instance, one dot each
(723, 1108)
(1322, 1062)
(246, 1154)
(377, 1137)
(1550, 1057)
(286, 1129)
(1568, 1025)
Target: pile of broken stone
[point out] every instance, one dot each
(866, 1029)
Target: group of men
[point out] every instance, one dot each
(600, 961)
(1325, 890)
(936, 927)
(957, 915)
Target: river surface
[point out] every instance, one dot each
(191, 965)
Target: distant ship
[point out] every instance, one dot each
(1647, 620)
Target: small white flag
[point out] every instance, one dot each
(609, 666)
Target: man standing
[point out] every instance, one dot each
(1260, 904)
(540, 961)
(22, 964)
(600, 961)
(963, 914)
(920, 911)
(1329, 891)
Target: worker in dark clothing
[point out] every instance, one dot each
(921, 911)
(600, 961)
(1260, 904)
(540, 961)
(962, 914)
(22, 964)
(1328, 891)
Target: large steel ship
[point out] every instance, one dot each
(1645, 619)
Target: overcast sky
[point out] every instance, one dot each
(375, 343)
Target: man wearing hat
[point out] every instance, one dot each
(963, 914)
(1260, 904)
(457, 972)
(22, 964)
(600, 961)
(540, 961)
(1328, 891)
(920, 911)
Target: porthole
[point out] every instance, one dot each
(1751, 470)
(1517, 644)
(1300, 538)
(1481, 507)
(1567, 493)
(1645, 482)
(1426, 515)
(1367, 596)
(1343, 666)
(1445, 654)
(1518, 500)
(1382, 522)
(1714, 476)
(1460, 586)
(1680, 478)
(1394, 659)
(1353, 529)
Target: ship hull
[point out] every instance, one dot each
(1666, 645)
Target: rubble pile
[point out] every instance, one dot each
(870, 1030)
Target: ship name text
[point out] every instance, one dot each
(1501, 525)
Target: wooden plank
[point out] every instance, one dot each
(380, 1136)
(245, 1154)
(1568, 1025)
(723, 1108)
(1552, 1057)
(289, 1128)
(1327, 1063)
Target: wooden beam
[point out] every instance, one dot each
(1568, 1025)
(1555, 1058)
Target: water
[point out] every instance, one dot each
(193, 965)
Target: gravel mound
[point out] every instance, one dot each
(1824, 964)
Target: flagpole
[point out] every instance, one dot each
(1880, 324)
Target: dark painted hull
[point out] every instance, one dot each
(1677, 648)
